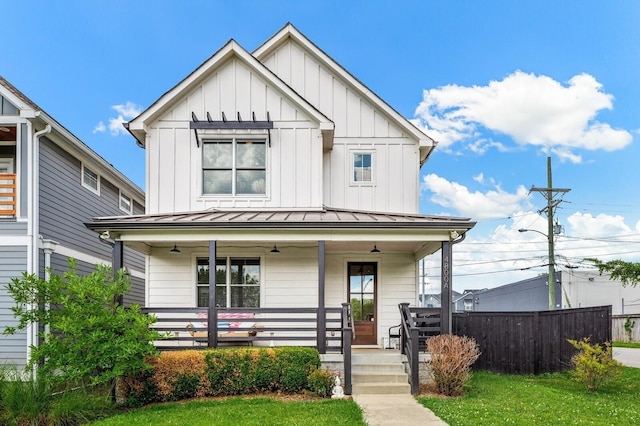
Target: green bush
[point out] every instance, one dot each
(221, 372)
(320, 382)
(29, 401)
(93, 338)
(451, 361)
(594, 365)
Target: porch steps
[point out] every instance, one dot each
(375, 371)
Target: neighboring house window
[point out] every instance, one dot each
(362, 167)
(125, 203)
(234, 167)
(468, 304)
(90, 179)
(237, 282)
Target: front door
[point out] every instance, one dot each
(362, 296)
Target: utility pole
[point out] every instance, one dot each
(549, 193)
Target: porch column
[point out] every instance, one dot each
(212, 322)
(445, 290)
(117, 263)
(322, 316)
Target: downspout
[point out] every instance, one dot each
(34, 223)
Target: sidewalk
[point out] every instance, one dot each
(382, 410)
(627, 356)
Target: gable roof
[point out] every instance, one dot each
(291, 32)
(137, 126)
(67, 140)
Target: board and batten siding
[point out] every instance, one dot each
(294, 160)
(359, 127)
(13, 348)
(396, 284)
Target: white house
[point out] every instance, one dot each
(299, 181)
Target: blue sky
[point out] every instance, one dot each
(501, 85)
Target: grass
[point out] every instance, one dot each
(551, 399)
(626, 345)
(242, 411)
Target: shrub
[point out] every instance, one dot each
(320, 382)
(594, 365)
(93, 338)
(30, 401)
(451, 361)
(628, 328)
(220, 372)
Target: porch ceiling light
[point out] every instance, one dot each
(174, 250)
(375, 249)
(275, 250)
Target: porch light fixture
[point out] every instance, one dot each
(174, 250)
(375, 249)
(275, 250)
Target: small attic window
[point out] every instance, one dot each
(7, 108)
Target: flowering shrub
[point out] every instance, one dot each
(594, 365)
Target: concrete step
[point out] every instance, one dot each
(362, 378)
(377, 368)
(381, 388)
(377, 357)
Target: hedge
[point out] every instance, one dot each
(187, 374)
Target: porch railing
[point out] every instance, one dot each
(188, 328)
(417, 325)
(8, 194)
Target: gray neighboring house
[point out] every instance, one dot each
(575, 289)
(51, 183)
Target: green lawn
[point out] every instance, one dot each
(626, 344)
(242, 411)
(553, 399)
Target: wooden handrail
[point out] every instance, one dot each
(8, 194)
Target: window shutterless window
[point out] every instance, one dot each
(362, 167)
(125, 203)
(234, 167)
(90, 179)
(237, 282)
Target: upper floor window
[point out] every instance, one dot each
(90, 179)
(126, 204)
(237, 282)
(362, 167)
(234, 167)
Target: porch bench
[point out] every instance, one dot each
(243, 336)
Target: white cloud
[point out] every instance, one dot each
(99, 127)
(506, 255)
(495, 203)
(532, 110)
(126, 112)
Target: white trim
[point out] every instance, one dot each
(95, 190)
(352, 167)
(130, 200)
(14, 240)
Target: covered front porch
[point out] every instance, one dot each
(327, 279)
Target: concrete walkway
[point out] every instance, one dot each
(627, 356)
(383, 410)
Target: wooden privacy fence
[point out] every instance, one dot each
(531, 342)
(619, 332)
